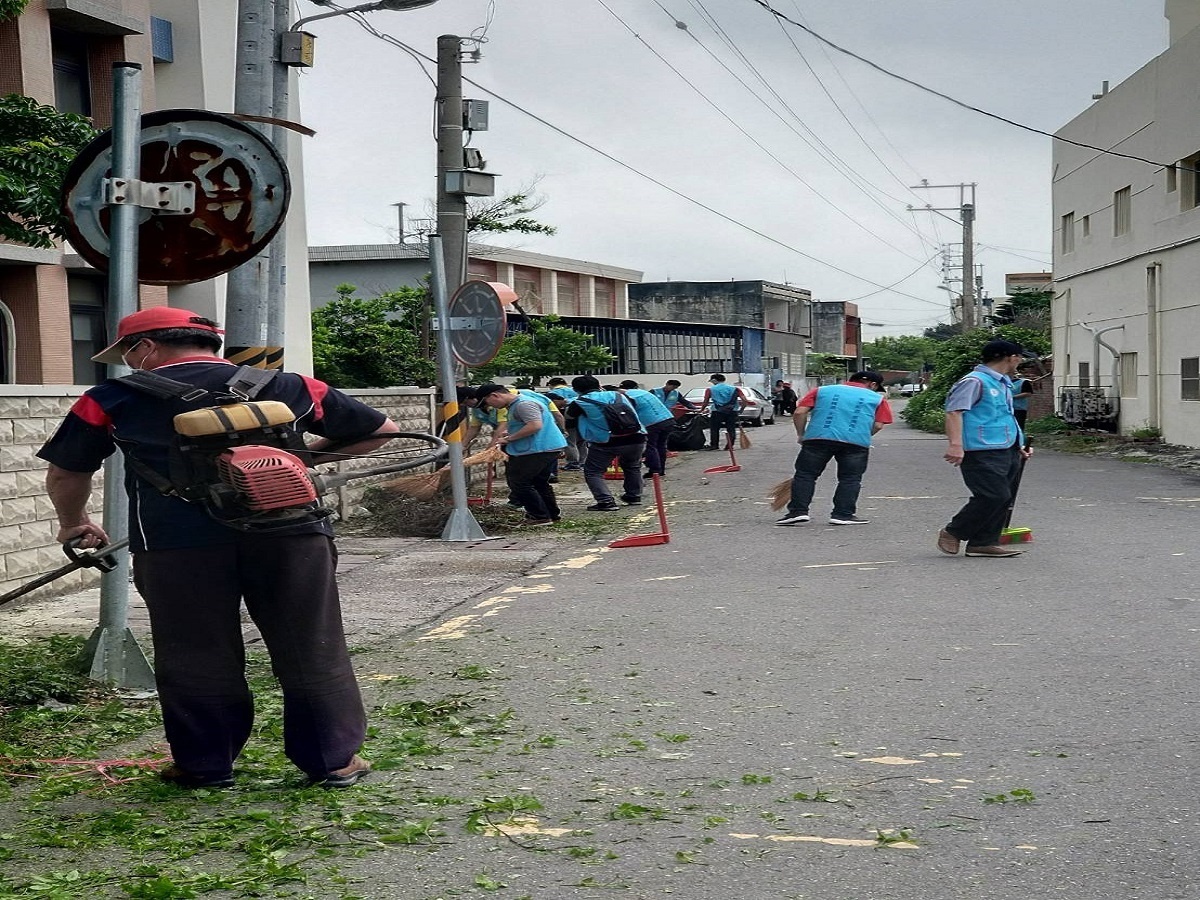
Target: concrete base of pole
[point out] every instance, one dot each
(117, 660)
(462, 526)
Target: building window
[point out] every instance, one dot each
(568, 294)
(1189, 378)
(1172, 179)
(1085, 375)
(1087, 226)
(1122, 211)
(606, 298)
(86, 297)
(1068, 233)
(72, 87)
(527, 283)
(1189, 182)
(1129, 375)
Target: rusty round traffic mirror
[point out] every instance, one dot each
(241, 185)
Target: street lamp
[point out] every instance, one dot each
(395, 5)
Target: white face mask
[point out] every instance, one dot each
(125, 355)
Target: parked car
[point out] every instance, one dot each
(907, 390)
(757, 409)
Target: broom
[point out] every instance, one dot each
(744, 439)
(781, 494)
(426, 485)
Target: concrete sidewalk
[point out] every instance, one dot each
(388, 586)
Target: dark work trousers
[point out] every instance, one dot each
(719, 420)
(811, 461)
(628, 457)
(656, 446)
(577, 447)
(991, 477)
(528, 478)
(287, 582)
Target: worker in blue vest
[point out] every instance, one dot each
(987, 445)
(670, 396)
(658, 421)
(605, 445)
(562, 394)
(532, 439)
(836, 421)
(724, 403)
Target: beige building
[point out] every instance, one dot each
(1127, 247)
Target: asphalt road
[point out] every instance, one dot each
(755, 712)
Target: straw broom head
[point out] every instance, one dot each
(422, 487)
(781, 494)
(744, 439)
(490, 455)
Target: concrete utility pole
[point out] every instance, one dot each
(246, 293)
(966, 217)
(967, 213)
(451, 207)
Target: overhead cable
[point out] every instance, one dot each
(975, 109)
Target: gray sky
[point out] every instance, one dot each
(824, 183)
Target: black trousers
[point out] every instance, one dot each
(719, 420)
(528, 478)
(287, 583)
(991, 476)
(656, 446)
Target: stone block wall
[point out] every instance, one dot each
(29, 414)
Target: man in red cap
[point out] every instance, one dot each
(194, 570)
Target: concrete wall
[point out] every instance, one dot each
(30, 414)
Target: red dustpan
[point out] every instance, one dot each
(732, 467)
(649, 540)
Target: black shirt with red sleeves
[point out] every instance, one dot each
(114, 414)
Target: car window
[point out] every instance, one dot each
(694, 394)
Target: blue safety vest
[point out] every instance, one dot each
(548, 439)
(843, 412)
(724, 397)
(990, 424)
(668, 398)
(650, 410)
(592, 425)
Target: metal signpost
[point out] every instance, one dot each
(471, 326)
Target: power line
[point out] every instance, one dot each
(744, 132)
(975, 109)
(826, 152)
(391, 39)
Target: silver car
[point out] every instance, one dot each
(757, 409)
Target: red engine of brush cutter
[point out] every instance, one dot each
(266, 478)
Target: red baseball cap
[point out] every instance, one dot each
(156, 318)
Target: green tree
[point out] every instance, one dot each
(1025, 309)
(508, 214)
(908, 352)
(955, 359)
(361, 343)
(546, 348)
(10, 9)
(37, 143)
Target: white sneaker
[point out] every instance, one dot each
(789, 519)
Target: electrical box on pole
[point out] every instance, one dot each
(468, 183)
(475, 115)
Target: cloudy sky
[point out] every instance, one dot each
(734, 145)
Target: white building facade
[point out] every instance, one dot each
(1126, 315)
